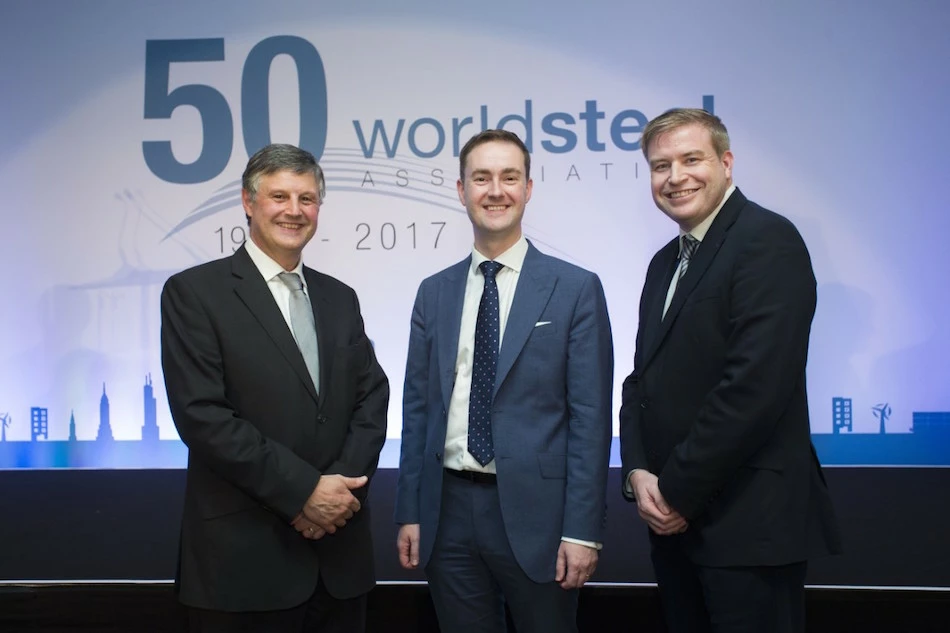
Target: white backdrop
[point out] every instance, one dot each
(837, 118)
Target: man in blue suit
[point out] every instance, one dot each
(506, 416)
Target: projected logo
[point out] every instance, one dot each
(154, 188)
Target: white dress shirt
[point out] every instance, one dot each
(456, 455)
(270, 271)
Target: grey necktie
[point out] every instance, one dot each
(690, 244)
(302, 324)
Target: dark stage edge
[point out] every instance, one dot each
(96, 525)
(152, 608)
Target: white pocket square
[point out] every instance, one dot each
(540, 323)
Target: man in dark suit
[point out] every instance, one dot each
(274, 387)
(714, 424)
(506, 416)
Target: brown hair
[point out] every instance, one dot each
(487, 136)
(677, 118)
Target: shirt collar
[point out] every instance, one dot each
(700, 230)
(268, 268)
(513, 258)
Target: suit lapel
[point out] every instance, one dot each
(655, 295)
(252, 290)
(698, 266)
(450, 297)
(322, 310)
(535, 285)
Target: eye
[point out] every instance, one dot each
(692, 160)
(658, 167)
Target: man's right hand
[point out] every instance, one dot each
(652, 507)
(332, 504)
(408, 545)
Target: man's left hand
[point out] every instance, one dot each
(575, 564)
(307, 529)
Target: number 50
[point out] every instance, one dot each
(216, 123)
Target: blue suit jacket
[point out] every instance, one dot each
(551, 415)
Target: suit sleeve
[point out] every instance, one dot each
(367, 428)
(415, 410)
(207, 422)
(590, 372)
(632, 452)
(771, 308)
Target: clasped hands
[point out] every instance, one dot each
(652, 507)
(329, 507)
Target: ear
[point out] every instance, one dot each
(461, 189)
(527, 190)
(246, 202)
(727, 160)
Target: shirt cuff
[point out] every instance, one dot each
(577, 541)
(627, 488)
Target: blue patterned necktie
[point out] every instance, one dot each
(483, 368)
(302, 324)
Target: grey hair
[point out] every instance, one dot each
(281, 157)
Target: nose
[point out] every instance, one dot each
(494, 188)
(294, 207)
(677, 173)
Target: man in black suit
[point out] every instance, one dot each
(714, 428)
(274, 387)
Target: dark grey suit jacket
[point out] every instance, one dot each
(716, 404)
(259, 436)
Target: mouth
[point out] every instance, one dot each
(676, 195)
(291, 226)
(495, 208)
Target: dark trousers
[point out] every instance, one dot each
(322, 613)
(698, 599)
(473, 573)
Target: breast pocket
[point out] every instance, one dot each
(544, 329)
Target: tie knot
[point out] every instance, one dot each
(490, 269)
(689, 246)
(292, 281)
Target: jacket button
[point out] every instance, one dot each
(438, 457)
(644, 404)
(321, 419)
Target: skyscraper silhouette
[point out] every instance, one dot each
(841, 414)
(105, 428)
(150, 425)
(39, 423)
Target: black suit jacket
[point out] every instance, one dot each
(716, 404)
(259, 436)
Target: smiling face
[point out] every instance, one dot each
(283, 214)
(687, 177)
(494, 190)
